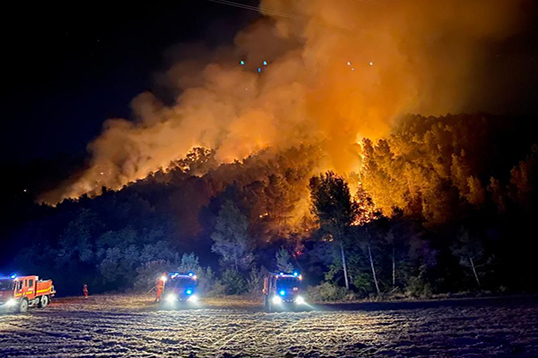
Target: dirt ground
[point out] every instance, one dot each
(114, 326)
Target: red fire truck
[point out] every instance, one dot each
(20, 293)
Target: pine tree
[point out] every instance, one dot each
(231, 240)
(334, 208)
(283, 258)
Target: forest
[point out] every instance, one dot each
(441, 205)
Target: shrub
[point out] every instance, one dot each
(328, 292)
(208, 284)
(255, 282)
(233, 282)
(190, 263)
(148, 273)
(418, 288)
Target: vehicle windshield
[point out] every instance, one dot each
(181, 282)
(287, 283)
(6, 285)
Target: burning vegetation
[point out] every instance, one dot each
(347, 73)
(432, 210)
(313, 162)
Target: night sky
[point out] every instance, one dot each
(67, 69)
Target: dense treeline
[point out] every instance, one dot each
(441, 205)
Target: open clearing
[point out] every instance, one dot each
(111, 326)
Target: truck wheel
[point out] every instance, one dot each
(23, 306)
(44, 301)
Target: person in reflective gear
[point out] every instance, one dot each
(159, 286)
(85, 290)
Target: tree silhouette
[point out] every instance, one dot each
(231, 240)
(283, 258)
(334, 208)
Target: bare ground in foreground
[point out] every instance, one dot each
(113, 326)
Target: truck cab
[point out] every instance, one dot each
(20, 293)
(283, 290)
(179, 287)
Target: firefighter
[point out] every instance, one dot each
(85, 290)
(159, 286)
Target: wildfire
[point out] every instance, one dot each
(365, 218)
(304, 95)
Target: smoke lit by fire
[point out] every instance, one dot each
(347, 72)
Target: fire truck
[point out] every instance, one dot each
(283, 290)
(179, 288)
(20, 293)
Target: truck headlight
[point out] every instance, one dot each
(192, 298)
(276, 300)
(300, 300)
(11, 303)
(171, 298)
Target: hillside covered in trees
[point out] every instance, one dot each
(440, 205)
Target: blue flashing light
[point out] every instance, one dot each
(191, 274)
(282, 293)
(282, 274)
(295, 274)
(265, 63)
(188, 292)
(242, 63)
(13, 276)
(259, 70)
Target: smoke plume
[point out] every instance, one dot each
(337, 71)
